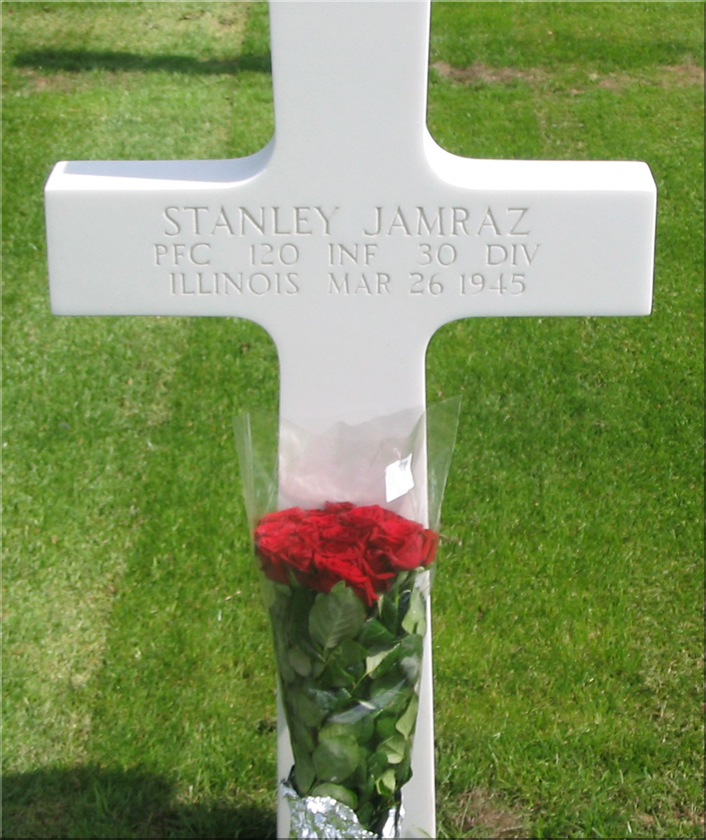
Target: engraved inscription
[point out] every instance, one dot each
(497, 254)
(180, 253)
(355, 282)
(242, 221)
(264, 253)
(257, 283)
(358, 253)
(424, 252)
(446, 221)
(500, 282)
(425, 284)
(444, 254)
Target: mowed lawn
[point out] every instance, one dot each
(139, 686)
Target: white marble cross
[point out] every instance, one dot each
(351, 238)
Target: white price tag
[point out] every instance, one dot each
(398, 478)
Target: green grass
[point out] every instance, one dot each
(138, 676)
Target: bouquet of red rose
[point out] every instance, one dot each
(349, 617)
(346, 590)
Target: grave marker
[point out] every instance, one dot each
(351, 238)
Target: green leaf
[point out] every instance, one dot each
(365, 783)
(342, 698)
(381, 662)
(365, 814)
(385, 726)
(334, 676)
(353, 715)
(350, 653)
(395, 748)
(364, 729)
(415, 621)
(277, 598)
(299, 661)
(374, 634)
(334, 730)
(337, 792)
(407, 721)
(391, 692)
(338, 615)
(403, 581)
(304, 773)
(387, 607)
(403, 603)
(286, 672)
(377, 765)
(301, 735)
(297, 619)
(336, 758)
(403, 771)
(345, 666)
(410, 659)
(357, 723)
(412, 645)
(386, 785)
(304, 707)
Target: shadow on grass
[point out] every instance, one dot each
(75, 61)
(93, 802)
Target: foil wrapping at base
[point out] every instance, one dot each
(324, 818)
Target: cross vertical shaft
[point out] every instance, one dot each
(323, 124)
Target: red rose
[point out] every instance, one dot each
(404, 544)
(363, 546)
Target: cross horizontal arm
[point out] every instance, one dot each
(578, 238)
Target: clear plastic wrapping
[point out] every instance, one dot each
(345, 527)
